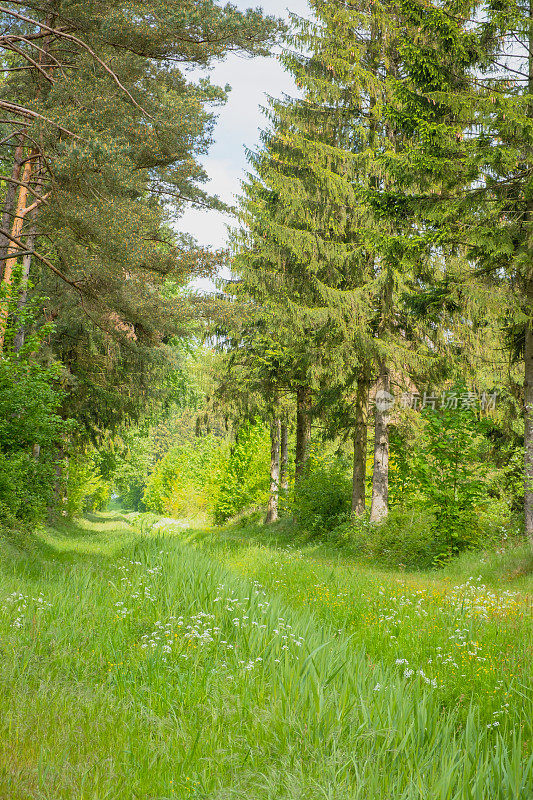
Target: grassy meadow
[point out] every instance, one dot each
(145, 661)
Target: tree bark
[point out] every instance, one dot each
(380, 478)
(9, 203)
(360, 441)
(284, 465)
(303, 429)
(18, 342)
(60, 482)
(273, 501)
(11, 261)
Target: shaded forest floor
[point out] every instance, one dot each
(142, 660)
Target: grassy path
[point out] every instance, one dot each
(135, 666)
(473, 639)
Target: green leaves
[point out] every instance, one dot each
(245, 479)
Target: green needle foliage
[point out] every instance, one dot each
(116, 130)
(464, 101)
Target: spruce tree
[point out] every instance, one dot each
(318, 209)
(466, 97)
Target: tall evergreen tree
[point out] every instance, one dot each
(101, 132)
(318, 210)
(466, 97)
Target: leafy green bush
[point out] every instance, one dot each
(405, 539)
(25, 487)
(442, 467)
(186, 481)
(130, 467)
(86, 489)
(29, 422)
(452, 475)
(246, 477)
(322, 497)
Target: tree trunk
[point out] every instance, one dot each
(60, 482)
(359, 455)
(303, 429)
(273, 501)
(284, 465)
(380, 478)
(24, 282)
(9, 203)
(528, 433)
(12, 250)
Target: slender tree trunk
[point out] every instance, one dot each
(11, 261)
(61, 479)
(528, 434)
(284, 465)
(24, 283)
(359, 455)
(9, 203)
(273, 501)
(26, 264)
(303, 429)
(380, 479)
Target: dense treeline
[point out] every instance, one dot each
(369, 367)
(386, 236)
(100, 134)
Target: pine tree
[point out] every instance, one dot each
(101, 132)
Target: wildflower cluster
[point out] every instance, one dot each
(409, 673)
(223, 624)
(473, 599)
(142, 590)
(16, 605)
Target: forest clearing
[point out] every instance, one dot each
(266, 400)
(177, 663)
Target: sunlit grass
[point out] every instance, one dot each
(135, 666)
(473, 639)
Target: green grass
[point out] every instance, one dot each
(228, 665)
(468, 627)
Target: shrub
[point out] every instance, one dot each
(406, 539)
(130, 467)
(322, 497)
(186, 481)
(246, 478)
(29, 402)
(86, 489)
(25, 487)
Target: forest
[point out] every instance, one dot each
(271, 539)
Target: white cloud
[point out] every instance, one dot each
(238, 127)
(209, 227)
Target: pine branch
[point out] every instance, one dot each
(69, 37)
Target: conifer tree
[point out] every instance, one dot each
(466, 97)
(323, 237)
(101, 132)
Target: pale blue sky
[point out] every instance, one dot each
(238, 126)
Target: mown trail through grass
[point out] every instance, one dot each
(135, 666)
